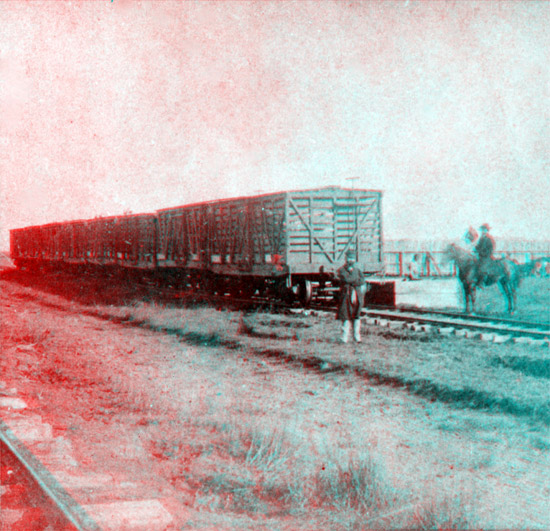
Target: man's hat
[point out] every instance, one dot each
(485, 226)
(350, 254)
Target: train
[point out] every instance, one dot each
(287, 244)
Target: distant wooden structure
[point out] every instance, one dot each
(431, 263)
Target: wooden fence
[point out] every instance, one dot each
(434, 264)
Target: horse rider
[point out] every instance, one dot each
(352, 293)
(484, 250)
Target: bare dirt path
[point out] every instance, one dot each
(184, 418)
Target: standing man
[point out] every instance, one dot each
(484, 250)
(352, 293)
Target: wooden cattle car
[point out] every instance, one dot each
(128, 241)
(289, 240)
(298, 237)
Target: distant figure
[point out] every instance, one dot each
(414, 268)
(352, 293)
(484, 250)
(470, 238)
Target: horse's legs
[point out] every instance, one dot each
(509, 295)
(473, 297)
(470, 294)
(512, 290)
(466, 293)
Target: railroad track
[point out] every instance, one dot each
(489, 328)
(30, 497)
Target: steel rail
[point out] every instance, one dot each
(457, 320)
(461, 315)
(436, 318)
(526, 329)
(46, 482)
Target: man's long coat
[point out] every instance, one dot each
(352, 293)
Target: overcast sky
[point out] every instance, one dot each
(109, 107)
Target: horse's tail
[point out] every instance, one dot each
(514, 272)
(517, 275)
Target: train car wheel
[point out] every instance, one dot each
(303, 291)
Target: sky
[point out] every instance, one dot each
(127, 106)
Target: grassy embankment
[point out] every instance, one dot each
(263, 475)
(246, 467)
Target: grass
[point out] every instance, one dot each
(533, 300)
(200, 326)
(507, 378)
(470, 374)
(335, 491)
(262, 475)
(267, 452)
(261, 469)
(350, 484)
(446, 514)
(31, 335)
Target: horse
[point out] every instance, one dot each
(503, 271)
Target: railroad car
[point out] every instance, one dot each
(117, 240)
(288, 243)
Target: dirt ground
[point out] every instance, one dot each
(165, 414)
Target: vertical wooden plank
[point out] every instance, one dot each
(155, 229)
(379, 234)
(310, 232)
(287, 227)
(334, 219)
(356, 211)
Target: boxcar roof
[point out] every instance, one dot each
(73, 221)
(271, 194)
(213, 201)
